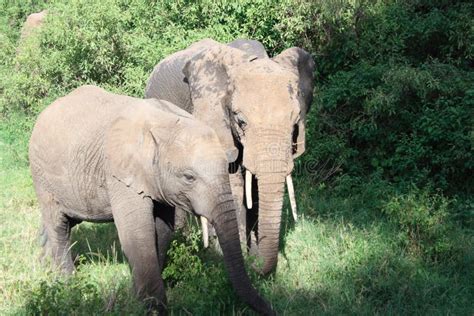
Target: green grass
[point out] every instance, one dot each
(361, 246)
(344, 256)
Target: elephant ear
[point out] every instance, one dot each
(131, 152)
(207, 74)
(301, 62)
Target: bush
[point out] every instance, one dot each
(184, 263)
(392, 111)
(197, 276)
(425, 224)
(83, 294)
(393, 87)
(394, 93)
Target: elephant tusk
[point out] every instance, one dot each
(291, 194)
(248, 188)
(205, 232)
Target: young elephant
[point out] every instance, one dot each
(97, 156)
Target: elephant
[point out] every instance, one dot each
(33, 24)
(257, 105)
(33, 21)
(97, 156)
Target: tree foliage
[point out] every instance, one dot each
(394, 78)
(385, 188)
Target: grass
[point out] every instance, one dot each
(361, 246)
(344, 256)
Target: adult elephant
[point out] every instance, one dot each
(257, 105)
(97, 156)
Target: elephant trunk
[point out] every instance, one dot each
(272, 165)
(225, 223)
(270, 194)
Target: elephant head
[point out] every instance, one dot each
(176, 160)
(257, 104)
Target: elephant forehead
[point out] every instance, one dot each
(267, 77)
(264, 66)
(198, 153)
(196, 134)
(272, 83)
(270, 92)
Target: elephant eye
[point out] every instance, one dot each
(189, 177)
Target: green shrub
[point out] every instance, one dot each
(14, 13)
(394, 94)
(393, 86)
(196, 276)
(425, 224)
(184, 264)
(81, 295)
(393, 109)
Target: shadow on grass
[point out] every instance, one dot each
(338, 270)
(392, 252)
(370, 290)
(287, 226)
(341, 258)
(379, 283)
(335, 271)
(96, 242)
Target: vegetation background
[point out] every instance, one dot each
(384, 189)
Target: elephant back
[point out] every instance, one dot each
(66, 145)
(251, 47)
(167, 81)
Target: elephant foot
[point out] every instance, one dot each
(154, 307)
(56, 256)
(54, 239)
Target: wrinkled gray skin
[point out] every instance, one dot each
(257, 106)
(97, 156)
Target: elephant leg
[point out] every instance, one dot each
(135, 222)
(55, 233)
(164, 224)
(237, 186)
